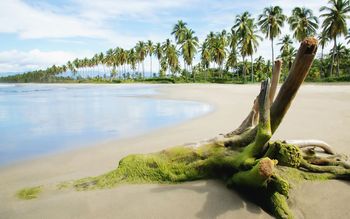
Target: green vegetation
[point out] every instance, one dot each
(29, 193)
(219, 53)
(173, 165)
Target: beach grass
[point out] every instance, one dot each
(29, 193)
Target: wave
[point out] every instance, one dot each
(7, 85)
(16, 90)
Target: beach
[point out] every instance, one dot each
(319, 112)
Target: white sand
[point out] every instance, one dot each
(319, 112)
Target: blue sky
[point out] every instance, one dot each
(38, 33)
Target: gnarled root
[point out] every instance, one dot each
(244, 158)
(312, 143)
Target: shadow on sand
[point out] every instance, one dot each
(219, 199)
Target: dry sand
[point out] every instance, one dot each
(318, 112)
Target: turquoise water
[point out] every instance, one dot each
(37, 119)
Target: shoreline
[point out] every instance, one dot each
(203, 199)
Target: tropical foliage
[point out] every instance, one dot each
(334, 24)
(221, 56)
(303, 23)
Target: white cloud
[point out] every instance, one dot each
(18, 61)
(30, 22)
(136, 9)
(92, 19)
(106, 21)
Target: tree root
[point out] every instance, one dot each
(312, 143)
(244, 158)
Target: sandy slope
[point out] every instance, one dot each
(319, 112)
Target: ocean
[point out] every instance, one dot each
(40, 119)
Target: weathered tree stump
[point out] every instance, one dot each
(244, 158)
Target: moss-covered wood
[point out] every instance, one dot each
(245, 159)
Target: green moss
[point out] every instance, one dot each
(256, 177)
(297, 175)
(280, 206)
(173, 165)
(286, 154)
(280, 185)
(29, 193)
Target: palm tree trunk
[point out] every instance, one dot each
(222, 69)
(334, 47)
(143, 69)
(322, 70)
(338, 62)
(159, 68)
(194, 75)
(151, 65)
(244, 69)
(138, 67)
(273, 55)
(252, 73)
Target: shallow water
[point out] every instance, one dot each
(37, 119)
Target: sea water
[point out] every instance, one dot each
(38, 119)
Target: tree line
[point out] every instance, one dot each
(219, 52)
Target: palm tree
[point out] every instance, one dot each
(323, 40)
(210, 39)
(242, 27)
(259, 68)
(271, 21)
(172, 56)
(141, 53)
(158, 51)
(334, 23)
(76, 65)
(303, 23)
(123, 59)
(286, 42)
(232, 39)
(109, 57)
(289, 56)
(85, 63)
(101, 60)
(132, 59)
(94, 62)
(250, 44)
(223, 37)
(179, 31)
(348, 37)
(150, 51)
(189, 46)
(71, 68)
(232, 59)
(205, 55)
(339, 51)
(218, 51)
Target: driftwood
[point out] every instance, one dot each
(245, 159)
